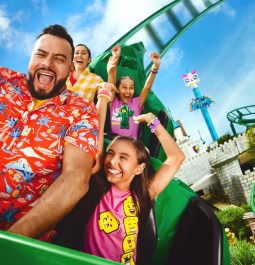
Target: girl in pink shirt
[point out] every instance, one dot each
(106, 222)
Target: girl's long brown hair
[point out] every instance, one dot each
(140, 183)
(71, 229)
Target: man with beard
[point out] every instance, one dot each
(48, 139)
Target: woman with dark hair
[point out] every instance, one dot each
(81, 79)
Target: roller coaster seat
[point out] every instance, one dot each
(146, 243)
(198, 239)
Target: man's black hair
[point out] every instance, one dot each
(58, 31)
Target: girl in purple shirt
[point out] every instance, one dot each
(123, 105)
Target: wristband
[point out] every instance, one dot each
(104, 92)
(154, 70)
(104, 96)
(153, 124)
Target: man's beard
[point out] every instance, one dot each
(40, 94)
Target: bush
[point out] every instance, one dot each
(242, 253)
(232, 218)
(246, 207)
(250, 136)
(224, 138)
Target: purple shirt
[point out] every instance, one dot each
(118, 114)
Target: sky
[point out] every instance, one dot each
(219, 46)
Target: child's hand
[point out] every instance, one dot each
(155, 57)
(148, 117)
(116, 50)
(112, 63)
(114, 59)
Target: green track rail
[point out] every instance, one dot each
(244, 116)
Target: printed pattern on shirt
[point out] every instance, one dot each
(32, 141)
(121, 116)
(109, 223)
(86, 85)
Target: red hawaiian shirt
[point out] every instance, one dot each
(32, 141)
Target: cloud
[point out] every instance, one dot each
(173, 57)
(239, 98)
(10, 37)
(111, 21)
(96, 8)
(20, 16)
(230, 12)
(40, 5)
(4, 20)
(6, 31)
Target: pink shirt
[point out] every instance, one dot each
(117, 116)
(112, 230)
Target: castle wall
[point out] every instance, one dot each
(233, 185)
(195, 168)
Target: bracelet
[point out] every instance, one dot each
(154, 70)
(153, 124)
(104, 92)
(104, 96)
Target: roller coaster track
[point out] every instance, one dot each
(244, 116)
(175, 19)
(163, 28)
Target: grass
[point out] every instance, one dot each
(242, 253)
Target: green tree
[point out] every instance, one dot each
(224, 138)
(250, 135)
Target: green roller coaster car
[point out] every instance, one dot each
(186, 232)
(182, 228)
